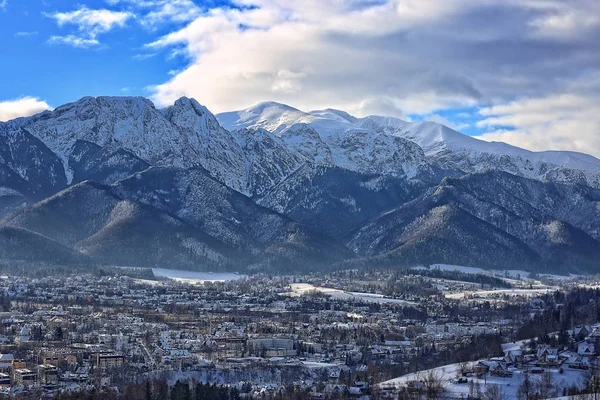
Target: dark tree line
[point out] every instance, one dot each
(563, 311)
(159, 390)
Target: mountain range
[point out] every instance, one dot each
(117, 181)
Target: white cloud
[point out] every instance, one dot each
(93, 22)
(156, 12)
(419, 56)
(3, 4)
(143, 56)
(74, 41)
(89, 23)
(561, 22)
(456, 125)
(172, 11)
(564, 121)
(399, 57)
(23, 107)
(288, 82)
(26, 34)
(285, 48)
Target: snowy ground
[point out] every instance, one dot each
(513, 346)
(298, 289)
(195, 277)
(510, 274)
(149, 282)
(466, 270)
(509, 386)
(524, 286)
(317, 364)
(508, 292)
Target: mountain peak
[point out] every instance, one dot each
(188, 102)
(264, 105)
(333, 113)
(108, 101)
(269, 115)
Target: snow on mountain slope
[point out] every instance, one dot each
(337, 201)
(183, 135)
(214, 147)
(332, 113)
(113, 122)
(271, 116)
(454, 150)
(329, 137)
(268, 160)
(371, 145)
(90, 219)
(27, 165)
(193, 196)
(109, 138)
(551, 225)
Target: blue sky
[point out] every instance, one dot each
(526, 72)
(58, 73)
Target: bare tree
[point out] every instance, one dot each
(546, 386)
(494, 392)
(434, 385)
(463, 369)
(593, 385)
(527, 388)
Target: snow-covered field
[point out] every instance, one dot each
(508, 274)
(318, 364)
(298, 289)
(510, 386)
(524, 285)
(507, 292)
(459, 268)
(195, 277)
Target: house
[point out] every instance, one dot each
(586, 349)
(6, 362)
(577, 362)
(513, 356)
(24, 377)
(335, 390)
(109, 360)
(481, 368)
(501, 370)
(47, 373)
(52, 360)
(496, 368)
(272, 347)
(582, 330)
(5, 380)
(24, 335)
(547, 354)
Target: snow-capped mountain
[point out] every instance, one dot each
(327, 138)
(333, 137)
(183, 135)
(116, 180)
(453, 150)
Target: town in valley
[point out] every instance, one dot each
(431, 332)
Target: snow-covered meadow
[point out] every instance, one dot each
(299, 289)
(195, 277)
(509, 386)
